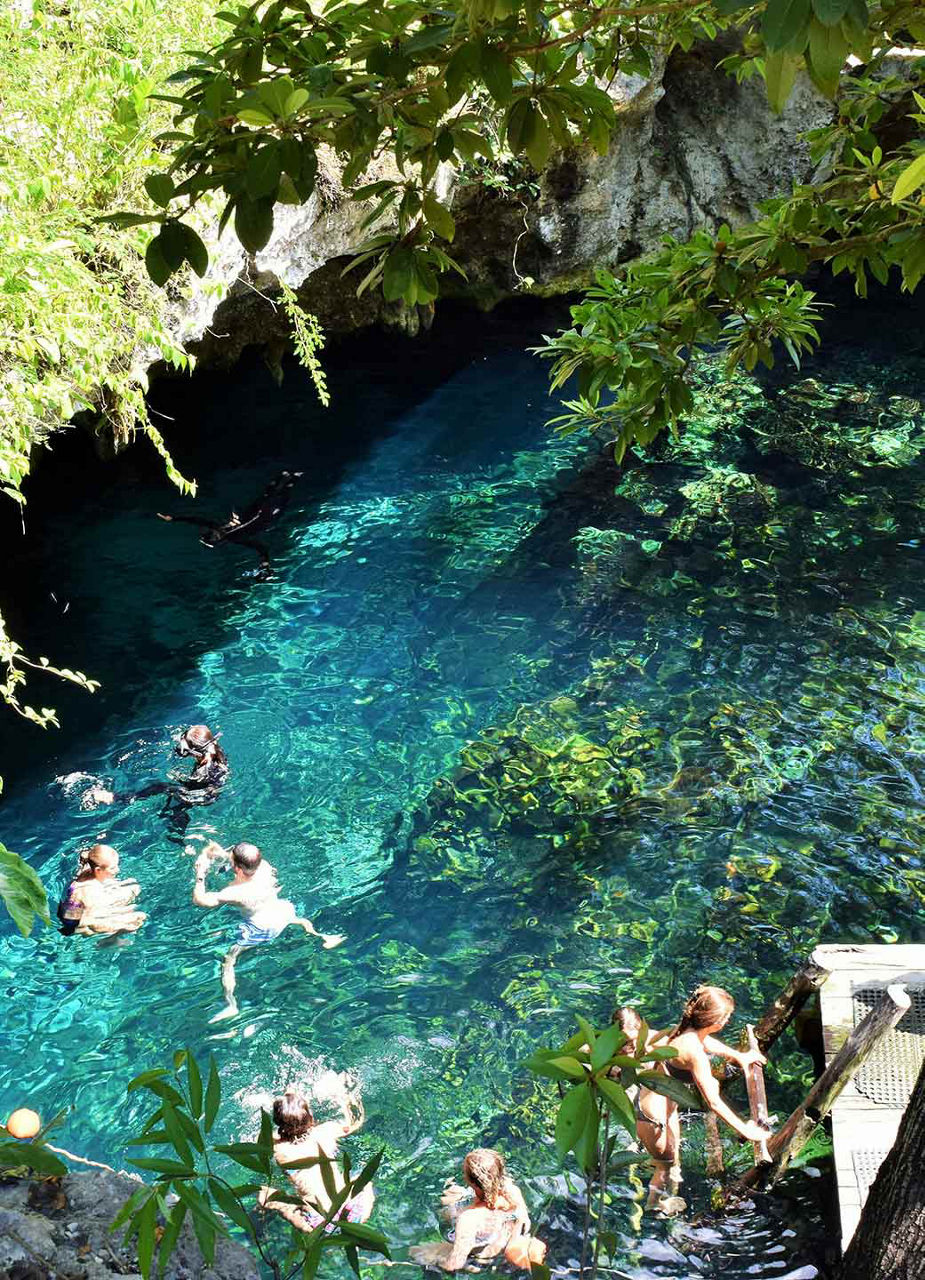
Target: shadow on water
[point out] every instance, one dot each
(232, 433)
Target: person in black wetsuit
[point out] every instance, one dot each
(202, 786)
(257, 517)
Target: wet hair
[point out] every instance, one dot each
(628, 1019)
(292, 1115)
(246, 856)
(89, 859)
(485, 1171)
(705, 1007)
(197, 739)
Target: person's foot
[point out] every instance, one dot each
(671, 1206)
(329, 940)
(230, 1011)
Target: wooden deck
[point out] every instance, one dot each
(866, 1116)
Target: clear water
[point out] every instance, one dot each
(426, 586)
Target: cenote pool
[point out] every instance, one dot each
(528, 769)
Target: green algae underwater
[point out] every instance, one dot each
(539, 736)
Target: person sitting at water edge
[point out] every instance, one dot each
(489, 1214)
(705, 1013)
(300, 1137)
(97, 902)
(255, 892)
(201, 786)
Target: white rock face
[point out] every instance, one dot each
(692, 149)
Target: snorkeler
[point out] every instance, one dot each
(255, 892)
(489, 1214)
(96, 902)
(201, 786)
(705, 1013)
(300, 1137)
(257, 517)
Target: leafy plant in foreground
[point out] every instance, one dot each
(597, 1067)
(194, 1181)
(21, 891)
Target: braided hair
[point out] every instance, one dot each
(705, 1007)
(485, 1171)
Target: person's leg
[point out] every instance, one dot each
(328, 940)
(228, 984)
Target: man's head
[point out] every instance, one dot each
(195, 741)
(103, 861)
(246, 858)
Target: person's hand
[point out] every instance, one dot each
(212, 849)
(202, 863)
(329, 940)
(754, 1132)
(94, 796)
(750, 1057)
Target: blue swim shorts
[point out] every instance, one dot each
(250, 936)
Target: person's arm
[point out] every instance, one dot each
(709, 1088)
(466, 1232)
(743, 1058)
(202, 897)
(519, 1205)
(354, 1111)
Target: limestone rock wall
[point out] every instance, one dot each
(692, 148)
(51, 1230)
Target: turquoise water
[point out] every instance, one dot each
(427, 586)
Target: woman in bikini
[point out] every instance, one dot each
(96, 901)
(489, 1215)
(705, 1014)
(300, 1137)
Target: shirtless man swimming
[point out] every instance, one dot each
(254, 890)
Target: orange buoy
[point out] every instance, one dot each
(24, 1123)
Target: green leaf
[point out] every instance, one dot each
(156, 263)
(296, 100)
(156, 1164)
(367, 1174)
(213, 1095)
(659, 1082)
(22, 891)
(521, 123)
(398, 274)
(618, 1102)
(496, 72)
(231, 1205)
(783, 22)
(368, 1236)
(13, 1155)
(830, 12)
(911, 178)
(145, 1220)
(586, 1147)
(587, 1031)
(780, 70)
(246, 1154)
(439, 217)
(461, 69)
(193, 1084)
(572, 1117)
(263, 172)
(172, 1228)
(826, 56)
(606, 1045)
(129, 1207)
(177, 1136)
(253, 222)
(159, 187)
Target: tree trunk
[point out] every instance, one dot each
(778, 1017)
(889, 1243)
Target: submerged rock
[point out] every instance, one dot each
(51, 1229)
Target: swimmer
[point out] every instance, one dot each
(257, 517)
(97, 902)
(490, 1215)
(705, 1013)
(255, 892)
(300, 1137)
(202, 786)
